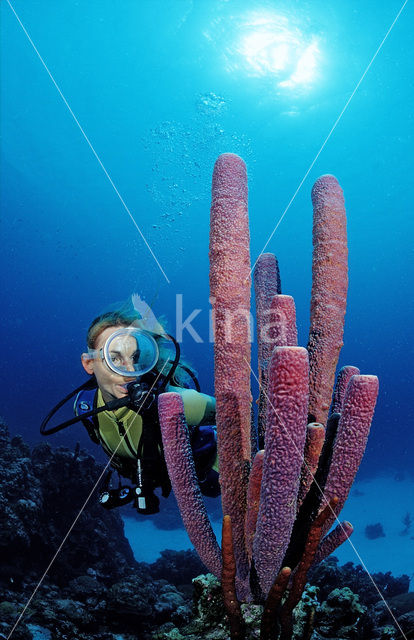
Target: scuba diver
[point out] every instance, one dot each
(129, 366)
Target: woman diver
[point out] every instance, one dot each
(129, 366)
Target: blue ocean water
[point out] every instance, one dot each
(112, 115)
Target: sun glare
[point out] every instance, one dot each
(269, 45)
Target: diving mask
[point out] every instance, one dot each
(129, 352)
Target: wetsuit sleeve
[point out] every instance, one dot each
(199, 408)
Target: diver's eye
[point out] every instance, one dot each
(116, 358)
(135, 357)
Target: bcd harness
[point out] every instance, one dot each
(146, 466)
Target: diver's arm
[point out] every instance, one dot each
(199, 408)
(209, 415)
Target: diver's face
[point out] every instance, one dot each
(111, 384)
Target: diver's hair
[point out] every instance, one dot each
(130, 318)
(110, 319)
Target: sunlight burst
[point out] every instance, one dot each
(268, 44)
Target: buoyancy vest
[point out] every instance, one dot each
(147, 447)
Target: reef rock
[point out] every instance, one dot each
(41, 494)
(94, 590)
(338, 616)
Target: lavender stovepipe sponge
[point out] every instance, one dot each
(179, 459)
(351, 439)
(283, 457)
(329, 291)
(230, 284)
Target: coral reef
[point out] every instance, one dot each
(94, 589)
(339, 614)
(328, 575)
(376, 621)
(178, 567)
(105, 603)
(273, 499)
(45, 482)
